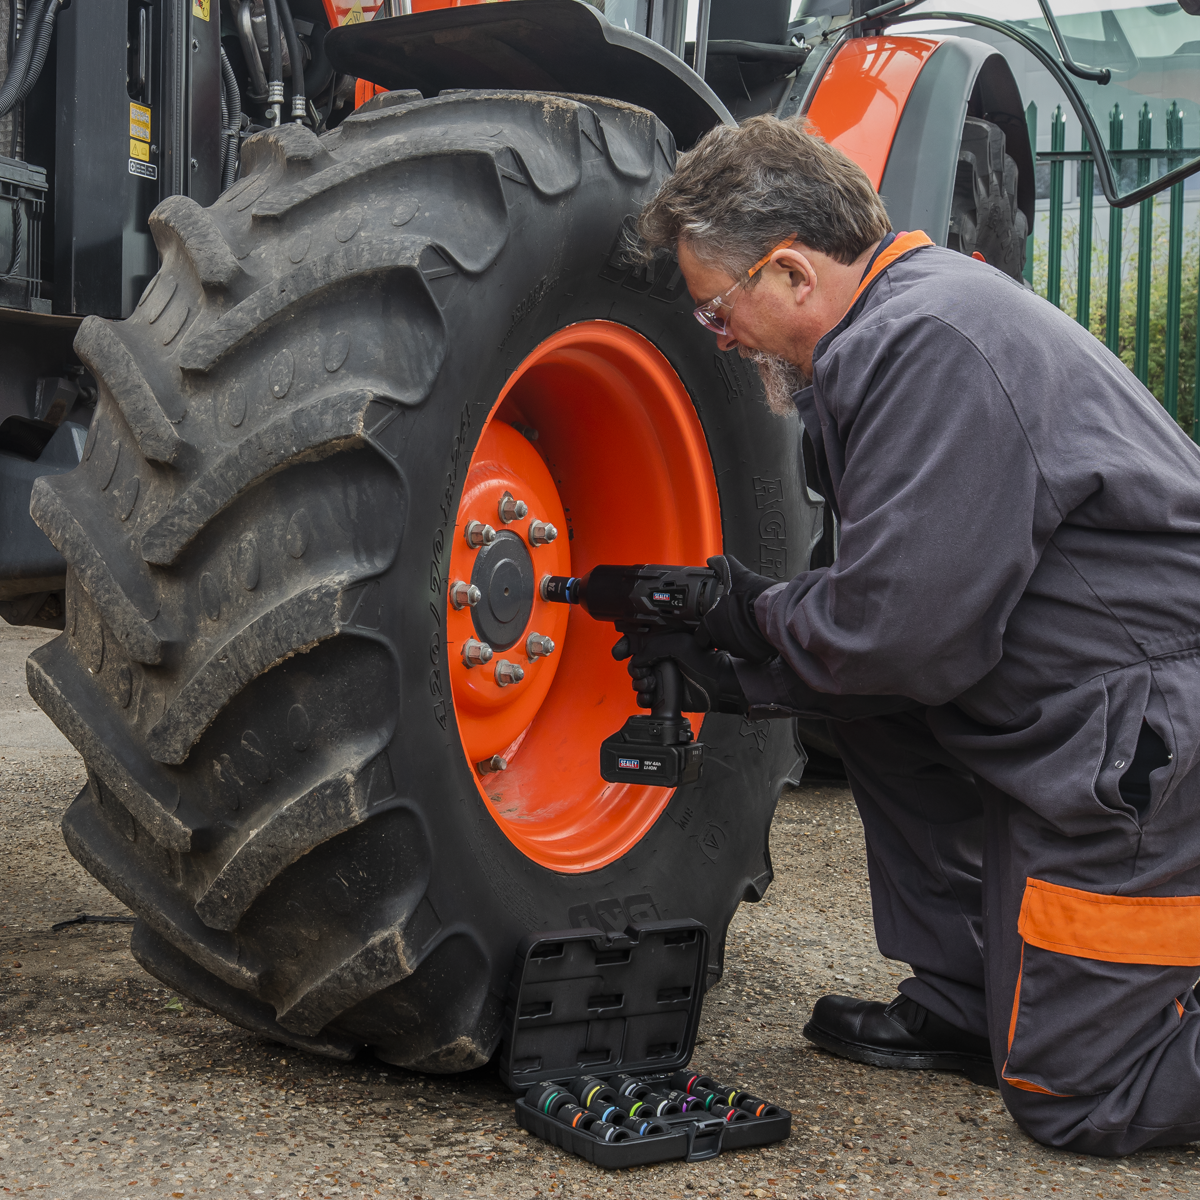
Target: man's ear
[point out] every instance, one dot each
(801, 272)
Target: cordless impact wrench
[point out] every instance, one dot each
(658, 749)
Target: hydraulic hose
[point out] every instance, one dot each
(250, 53)
(40, 50)
(296, 54)
(224, 105)
(18, 69)
(233, 126)
(275, 62)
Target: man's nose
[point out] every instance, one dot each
(726, 341)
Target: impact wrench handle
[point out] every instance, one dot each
(669, 693)
(659, 749)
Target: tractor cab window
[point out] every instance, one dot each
(1151, 101)
(1132, 72)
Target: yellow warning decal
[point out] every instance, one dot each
(200, 8)
(355, 15)
(139, 150)
(139, 122)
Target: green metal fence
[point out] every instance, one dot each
(1153, 329)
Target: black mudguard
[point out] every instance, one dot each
(539, 45)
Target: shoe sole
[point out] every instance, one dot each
(977, 1070)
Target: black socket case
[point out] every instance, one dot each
(586, 1002)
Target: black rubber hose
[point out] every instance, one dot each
(296, 54)
(18, 69)
(234, 119)
(274, 55)
(40, 50)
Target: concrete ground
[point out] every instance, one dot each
(110, 1086)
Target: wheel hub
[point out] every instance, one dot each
(504, 575)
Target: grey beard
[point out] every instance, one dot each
(780, 379)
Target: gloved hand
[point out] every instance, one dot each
(730, 624)
(710, 683)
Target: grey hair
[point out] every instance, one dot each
(739, 191)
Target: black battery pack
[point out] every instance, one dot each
(651, 750)
(598, 1030)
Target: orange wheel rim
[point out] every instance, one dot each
(595, 433)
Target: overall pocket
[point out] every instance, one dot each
(1101, 984)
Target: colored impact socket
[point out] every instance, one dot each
(577, 1118)
(732, 1115)
(627, 1085)
(704, 1096)
(609, 1133)
(759, 1108)
(688, 1081)
(729, 1095)
(607, 1110)
(660, 1106)
(632, 1107)
(644, 1128)
(588, 1088)
(547, 1098)
(686, 1103)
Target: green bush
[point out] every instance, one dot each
(1156, 380)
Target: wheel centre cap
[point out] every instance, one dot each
(503, 572)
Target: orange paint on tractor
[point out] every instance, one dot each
(859, 101)
(353, 12)
(621, 467)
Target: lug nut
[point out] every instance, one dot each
(476, 653)
(464, 595)
(508, 672)
(490, 766)
(541, 532)
(478, 534)
(512, 509)
(537, 645)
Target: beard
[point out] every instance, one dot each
(780, 379)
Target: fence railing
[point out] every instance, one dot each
(1153, 329)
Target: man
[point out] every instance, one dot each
(1008, 642)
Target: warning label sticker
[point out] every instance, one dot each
(200, 8)
(145, 170)
(139, 122)
(139, 150)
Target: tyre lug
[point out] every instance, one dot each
(537, 645)
(508, 672)
(478, 534)
(512, 509)
(490, 765)
(541, 532)
(475, 653)
(464, 595)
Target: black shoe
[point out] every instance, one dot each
(901, 1034)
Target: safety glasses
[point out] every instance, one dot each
(709, 313)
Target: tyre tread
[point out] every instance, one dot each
(58, 521)
(180, 222)
(321, 425)
(51, 673)
(103, 351)
(335, 804)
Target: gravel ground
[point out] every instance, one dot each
(112, 1086)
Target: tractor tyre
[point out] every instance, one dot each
(984, 217)
(333, 826)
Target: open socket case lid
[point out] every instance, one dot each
(585, 1002)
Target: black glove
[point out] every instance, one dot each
(710, 683)
(730, 624)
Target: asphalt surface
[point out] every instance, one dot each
(111, 1086)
